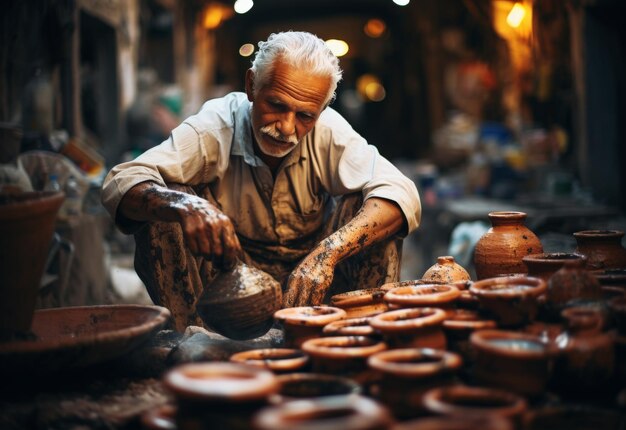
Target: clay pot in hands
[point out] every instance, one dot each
(603, 248)
(571, 285)
(350, 327)
(406, 374)
(501, 249)
(306, 322)
(240, 303)
(425, 295)
(278, 360)
(445, 271)
(360, 303)
(295, 386)
(412, 328)
(513, 301)
(546, 264)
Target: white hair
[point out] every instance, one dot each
(298, 49)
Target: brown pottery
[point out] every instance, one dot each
(546, 264)
(456, 422)
(501, 249)
(406, 374)
(27, 222)
(409, 283)
(513, 301)
(617, 311)
(611, 277)
(360, 303)
(412, 327)
(459, 325)
(306, 322)
(350, 327)
(240, 303)
(573, 417)
(445, 271)
(603, 248)
(425, 295)
(295, 386)
(278, 360)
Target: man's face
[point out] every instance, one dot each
(286, 108)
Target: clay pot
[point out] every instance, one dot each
(240, 303)
(573, 417)
(571, 285)
(295, 386)
(278, 360)
(343, 355)
(27, 222)
(414, 327)
(453, 422)
(610, 292)
(513, 361)
(617, 309)
(546, 264)
(513, 301)
(586, 363)
(603, 248)
(360, 303)
(406, 374)
(223, 394)
(306, 322)
(352, 412)
(611, 277)
(459, 325)
(426, 295)
(468, 402)
(350, 327)
(445, 271)
(501, 249)
(410, 283)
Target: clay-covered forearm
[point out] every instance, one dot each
(149, 201)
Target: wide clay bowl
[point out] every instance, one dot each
(80, 336)
(306, 322)
(544, 265)
(360, 303)
(513, 301)
(434, 295)
(412, 327)
(415, 363)
(350, 327)
(278, 360)
(310, 385)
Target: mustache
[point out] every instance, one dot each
(271, 131)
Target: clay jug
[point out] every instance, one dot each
(445, 271)
(240, 303)
(603, 248)
(571, 285)
(546, 264)
(27, 222)
(501, 249)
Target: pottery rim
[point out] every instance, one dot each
(346, 384)
(472, 321)
(349, 327)
(309, 315)
(275, 359)
(425, 294)
(553, 257)
(536, 287)
(441, 400)
(406, 319)
(483, 340)
(343, 346)
(357, 297)
(402, 362)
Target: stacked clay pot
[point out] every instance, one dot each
(603, 248)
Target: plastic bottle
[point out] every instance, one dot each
(52, 184)
(73, 205)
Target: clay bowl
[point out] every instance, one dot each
(306, 322)
(73, 337)
(310, 385)
(278, 360)
(513, 301)
(426, 295)
(458, 327)
(544, 265)
(360, 303)
(412, 327)
(350, 327)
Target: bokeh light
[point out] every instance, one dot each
(243, 6)
(375, 27)
(338, 47)
(246, 49)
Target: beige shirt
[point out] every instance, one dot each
(214, 147)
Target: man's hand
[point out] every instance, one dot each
(308, 283)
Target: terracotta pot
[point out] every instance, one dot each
(513, 361)
(546, 264)
(611, 277)
(513, 301)
(470, 402)
(27, 222)
(571, 285)
(350, 327)
(240, 303)
(501, 249)
(306, 322)
(226, 395)
(410, 283)
(343, 355)
(414, 327)
(278, 360)
(445, 271)
(352, 412)
(459, 325)
(295, 386)
(573, 417)
(585, 366)
(610, 292)
(360, 303)
(426, 295)
(406, 374)
(453, 422)
(603, 248)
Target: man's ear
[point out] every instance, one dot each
(249, 84)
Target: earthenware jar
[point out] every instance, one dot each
(412, 328)
(219, 394)
(546, 264)
(27, 222)
(240, 303)
(353, 412)
(459, 325)
(513, 361)
(306, 322)
(350, 327)
(445, 271)
(571, 285)
(586, 362)
(500, 250)
(426, 295)
(513, 301)
(469, 402)
(360, 303)
(343, 355)
(603, 248)
(295, 386)
(406, 374)
(278, 360)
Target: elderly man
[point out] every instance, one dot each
(273, 177)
